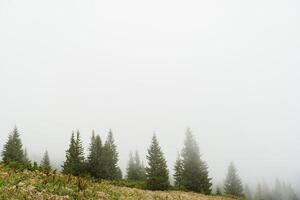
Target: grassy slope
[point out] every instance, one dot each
(37, 185)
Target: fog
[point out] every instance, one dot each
(229, 70)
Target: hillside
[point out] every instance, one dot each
(37, 185)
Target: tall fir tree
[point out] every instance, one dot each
(95, 165)
(45, 162)
(141, 173)
(68, 166)
(110, 158)
(178, 175)
(74, 163)
(131, 173)
(135, 168)
(233, 184)
(195, 171)
(12, 150)
(157, 174)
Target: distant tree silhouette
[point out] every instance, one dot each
(219, 191)
(195, 171)
(45, 162)
(233, 184)
(258, 193)
(35, 166)
(141, 172)
(248, 193)
(135, 168)
(282, 191)
(26, 161)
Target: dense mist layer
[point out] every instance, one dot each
(227, 69)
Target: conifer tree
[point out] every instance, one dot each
(266, 195)
(69, 164)
(178, 168)
(218, 191)
(12, 150)
(141, 173)
(95, 165)
(135, 169)
(195, 170)
(248, 193)
(45, 162)
(26, 161)
(119, 174)
(35, 166)
(258, 193)
(157, 174)
(74, 163)
(233, 184)
(110, 158)
(131, 168)
(280, 191)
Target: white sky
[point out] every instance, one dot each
(228, 69)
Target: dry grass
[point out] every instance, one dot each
(55, 186)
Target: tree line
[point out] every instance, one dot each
(279, 191)
(190, 170)
(233, 186)
(14, 155)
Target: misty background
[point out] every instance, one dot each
(229, 70)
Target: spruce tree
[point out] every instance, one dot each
(141, 173)
(95, 165)
(26, 161)
(68, 166)
(45, 162)
(248, 193)
(12, 150)
(35, 166)
(157, 174)
(259, 193)
(74, 163)
(266, 195)
(178, 168)
(233, 184)
(131, 171)
(110, 158)
(218, 191)
(135, 168)
(281, 191)
(195, 171)
(119, 174)
(79, 151)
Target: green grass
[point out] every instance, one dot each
(24, 184)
